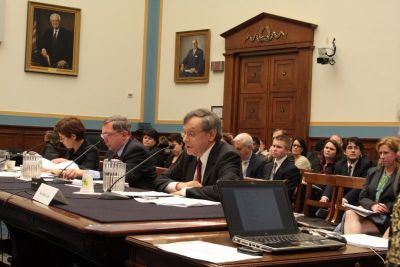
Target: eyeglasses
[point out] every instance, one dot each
(295, 145)
(190, 134)
(107, 134)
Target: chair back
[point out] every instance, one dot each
(313, 180)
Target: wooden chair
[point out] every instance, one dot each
(297, 207)
(343, 182)
(160, 170)
(318, 179)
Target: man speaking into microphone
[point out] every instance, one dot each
(205, 160)
(117, 137)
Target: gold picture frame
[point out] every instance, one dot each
(52, 39)
(192, 56)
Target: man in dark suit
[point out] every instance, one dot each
(117, 137)
(193, 64)
(205, 160)
(280, 168)
(56, 45)
(353, 164)
(252, 164)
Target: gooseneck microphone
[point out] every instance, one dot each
(66, 181)
(115, 196)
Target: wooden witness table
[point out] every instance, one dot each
(144, 252)
(43, 235)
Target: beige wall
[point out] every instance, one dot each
(110, 63)
(367, 35)
(362, 88)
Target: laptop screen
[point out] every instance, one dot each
(257, 208)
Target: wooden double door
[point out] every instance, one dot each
(271, 95)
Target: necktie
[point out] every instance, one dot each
(273, 171)
(349, 170)
(198, 171)
(244, 168)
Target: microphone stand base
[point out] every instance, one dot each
(113, 196)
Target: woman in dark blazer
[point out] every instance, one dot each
(377, 194)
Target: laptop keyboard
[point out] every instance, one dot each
(275, 239)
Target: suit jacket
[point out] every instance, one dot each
(223, 164)
(194, 60)
(360, 170)
(61, 49)
(367, 195)
(287, 171)
(255, 168)
(387, 197)
(133, 154)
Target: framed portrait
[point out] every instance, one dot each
(217, 110)
(192, 56)
(52, 39)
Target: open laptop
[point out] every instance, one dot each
(259, 215)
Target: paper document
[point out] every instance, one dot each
(10, 174)
(369, 241)
(360, 210)
(47, 164)
(144, 194)
(178, 201)
(206, 251)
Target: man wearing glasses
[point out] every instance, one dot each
(117, 137)
(205, 160)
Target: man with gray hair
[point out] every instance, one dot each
(252, 164)
(56, 45)
(116, 132)
(205, 160)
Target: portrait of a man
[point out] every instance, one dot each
(55, 45)
(52, 39)
(192, 56)
(193, 63)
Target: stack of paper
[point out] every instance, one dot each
(47, 164)
(206, 251)
(359, 210)
(369, 241)
(178, 201)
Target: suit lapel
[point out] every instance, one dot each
(212, 158)
(279, 172)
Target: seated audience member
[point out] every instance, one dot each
(227, 138)
(313, 155)
(326, 160)
(176, 140)
(299, 152)
(353, 164)
(53, 148)
(150, 142)
(204, 161)
(163, 141)
(378, 192)
(72, 134)
(280, 168)
(258, 145)
(252, 164)
(275, 133)
(117, 137)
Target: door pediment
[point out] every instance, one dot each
(268, 30)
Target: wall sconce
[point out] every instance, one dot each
(327, 58)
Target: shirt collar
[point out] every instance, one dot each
(119, 152)
(280, 161)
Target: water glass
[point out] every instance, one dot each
(113, 169)
(31, 166)
(4, 155)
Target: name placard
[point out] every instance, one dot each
(46, 193)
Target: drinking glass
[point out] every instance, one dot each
(112, 170)
(32, 166)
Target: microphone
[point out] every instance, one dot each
(34, 147)
(66, 181)
(114, 196)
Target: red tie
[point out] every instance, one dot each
(198, 171)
